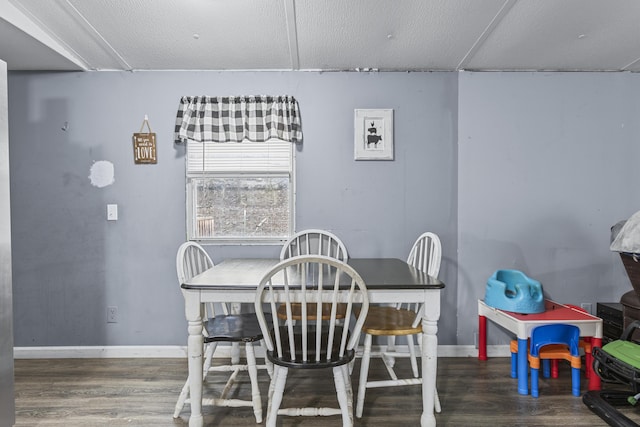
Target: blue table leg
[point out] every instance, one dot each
(523, 367)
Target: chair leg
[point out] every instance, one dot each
(547, 367)
(346, 372)
(412, 355)
(391, 347)
(253, 376)
(534, 382)
(235, 353)
(364, 371)
(575, 381)
(343, 396)
(267, 362)
(272, 385)
(184, 393)
(181, 399)
(276, 390)
(208, 358)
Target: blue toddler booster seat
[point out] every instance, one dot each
(512, 290)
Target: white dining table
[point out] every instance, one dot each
(388, 280)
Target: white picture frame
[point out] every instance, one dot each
(373, 134)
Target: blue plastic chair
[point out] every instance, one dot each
(555, 341)
(546, 364)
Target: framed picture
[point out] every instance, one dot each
(373, 132)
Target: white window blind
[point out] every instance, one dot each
(240, 192)
(246, 157)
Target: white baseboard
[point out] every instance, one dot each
(181, 352)
(82, 352)
(472, 351)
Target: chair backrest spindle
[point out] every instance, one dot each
(192, 260)
(315, 280)
(426, 256)
(314, 242)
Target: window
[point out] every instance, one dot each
(240, 166)
(240, 192)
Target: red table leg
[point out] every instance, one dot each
(594, 379)
(482, 338)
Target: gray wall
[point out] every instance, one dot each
(69, 263)
(547, 164)
(512, 170)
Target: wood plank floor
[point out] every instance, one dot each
(143, 392)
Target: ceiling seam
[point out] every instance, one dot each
(292, 33)
(504, 10)
(104, 42)
(626, 67)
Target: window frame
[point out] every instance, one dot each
(191, 188)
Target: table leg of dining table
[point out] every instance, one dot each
(193, 310)
(429, 356)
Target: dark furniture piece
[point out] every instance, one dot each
(612, 320)
(631, 300)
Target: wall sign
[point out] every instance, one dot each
(373, 131)
(144, 145)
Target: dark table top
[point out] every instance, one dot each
(377, 273)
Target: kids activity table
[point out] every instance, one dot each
(522, 324)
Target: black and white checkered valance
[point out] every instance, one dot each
(234, 119)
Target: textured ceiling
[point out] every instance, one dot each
(555, 35)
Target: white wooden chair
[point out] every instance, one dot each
(401, 320)
(310, 344)
(192, 260)
(313, 242)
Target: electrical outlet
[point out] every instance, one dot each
(112, 314)
(586, 306)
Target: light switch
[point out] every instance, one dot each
(112, 212)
